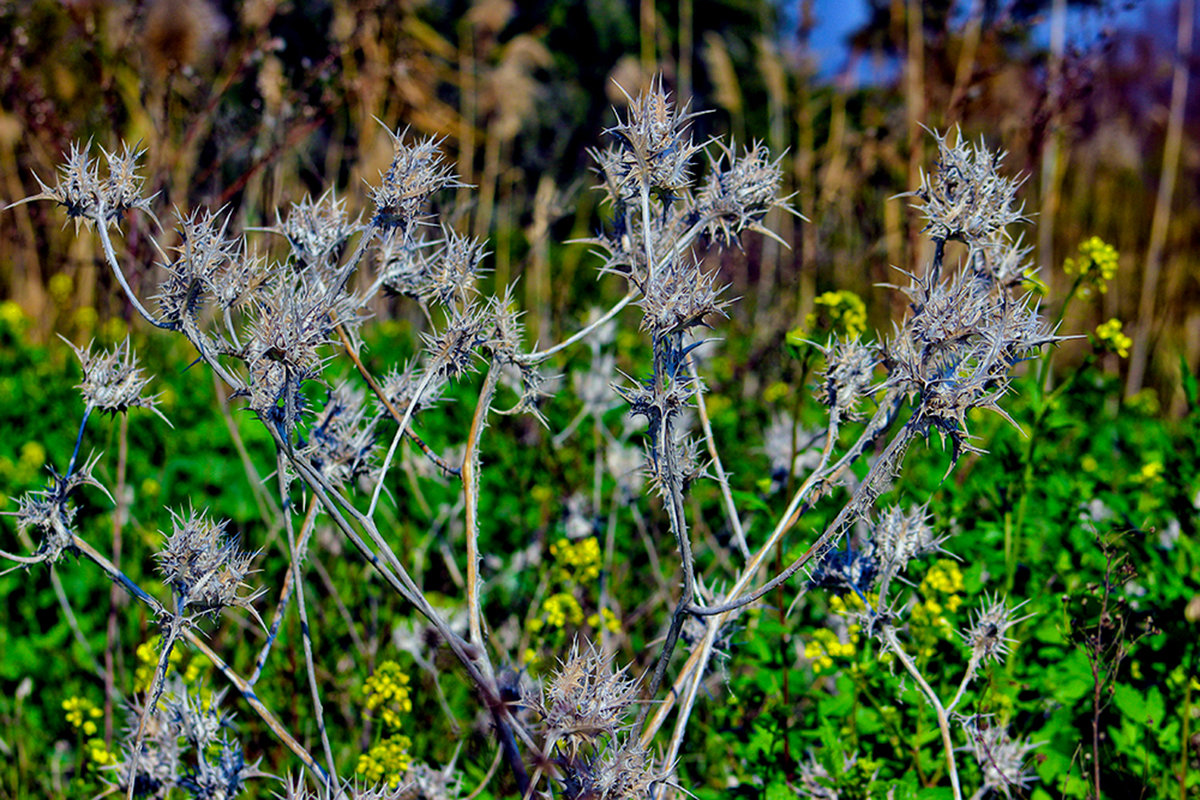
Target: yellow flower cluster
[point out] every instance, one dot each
(558, 610)
(387, 691)
(577, 561)
(941, 589)
(99, 753)
(147, 655)
(12, 315)
(82, 713)
(944, 577)
(1110, 337)
(1150, 472)
(607, 618)
(386, 761)
(845, 311)
(575, 573)
(825, 647)
(1095, 267)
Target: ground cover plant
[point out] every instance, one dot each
(381, 548)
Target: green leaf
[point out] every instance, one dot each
(779, 791)
(1191, 392)
(1144, 708)
(751, 500)
(1070, 680)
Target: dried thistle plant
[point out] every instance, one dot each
(269, 327)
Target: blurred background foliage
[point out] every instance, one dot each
(252, 105)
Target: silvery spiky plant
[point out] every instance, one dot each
(268, 325)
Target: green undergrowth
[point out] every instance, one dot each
(1092, 522)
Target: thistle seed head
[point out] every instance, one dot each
(122, 188)
(184, 728)
(900, 536)
(988, 636)
(204, 253)
(316, 229)
(203, 564)
(400, 387)
(341, 442)
(405, 265)
(679, 297)
(415, 174)
(654, 148)
(454, 269)
(849, 570)
(849, 372)
(1001, 758)
(86, 196)
(738, 192)
(451, 351)
(245, 278)
(965, 197)
(112, 380)
(622, 770)
(585, 699)
(50, 511)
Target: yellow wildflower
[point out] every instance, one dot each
(577, 561)
(99, 753)
(386, 761)
(606, 618)
(844, 310)
(561, 608)
(387, 691)
(1109, 337)
(82, 713)
(1095, 267)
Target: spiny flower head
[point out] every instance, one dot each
(900, 536)
(315, 229)
(988, 636)
(739, 191)
(679, 296)
(203, 564)
(965, 197)
(1001, 757)
(451, 351)
(203, 254)
(400, 386)
(842, 571)
(112, 379)
(185, 746)
(653, 148)
(122, 188)
(454, 269)
(341, 442)
(86, 196)
(406, 263)
(849, 372)
(621, 770)
(51, 512)
(415, 174)
(584, 698)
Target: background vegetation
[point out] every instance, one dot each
(1093, 515)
